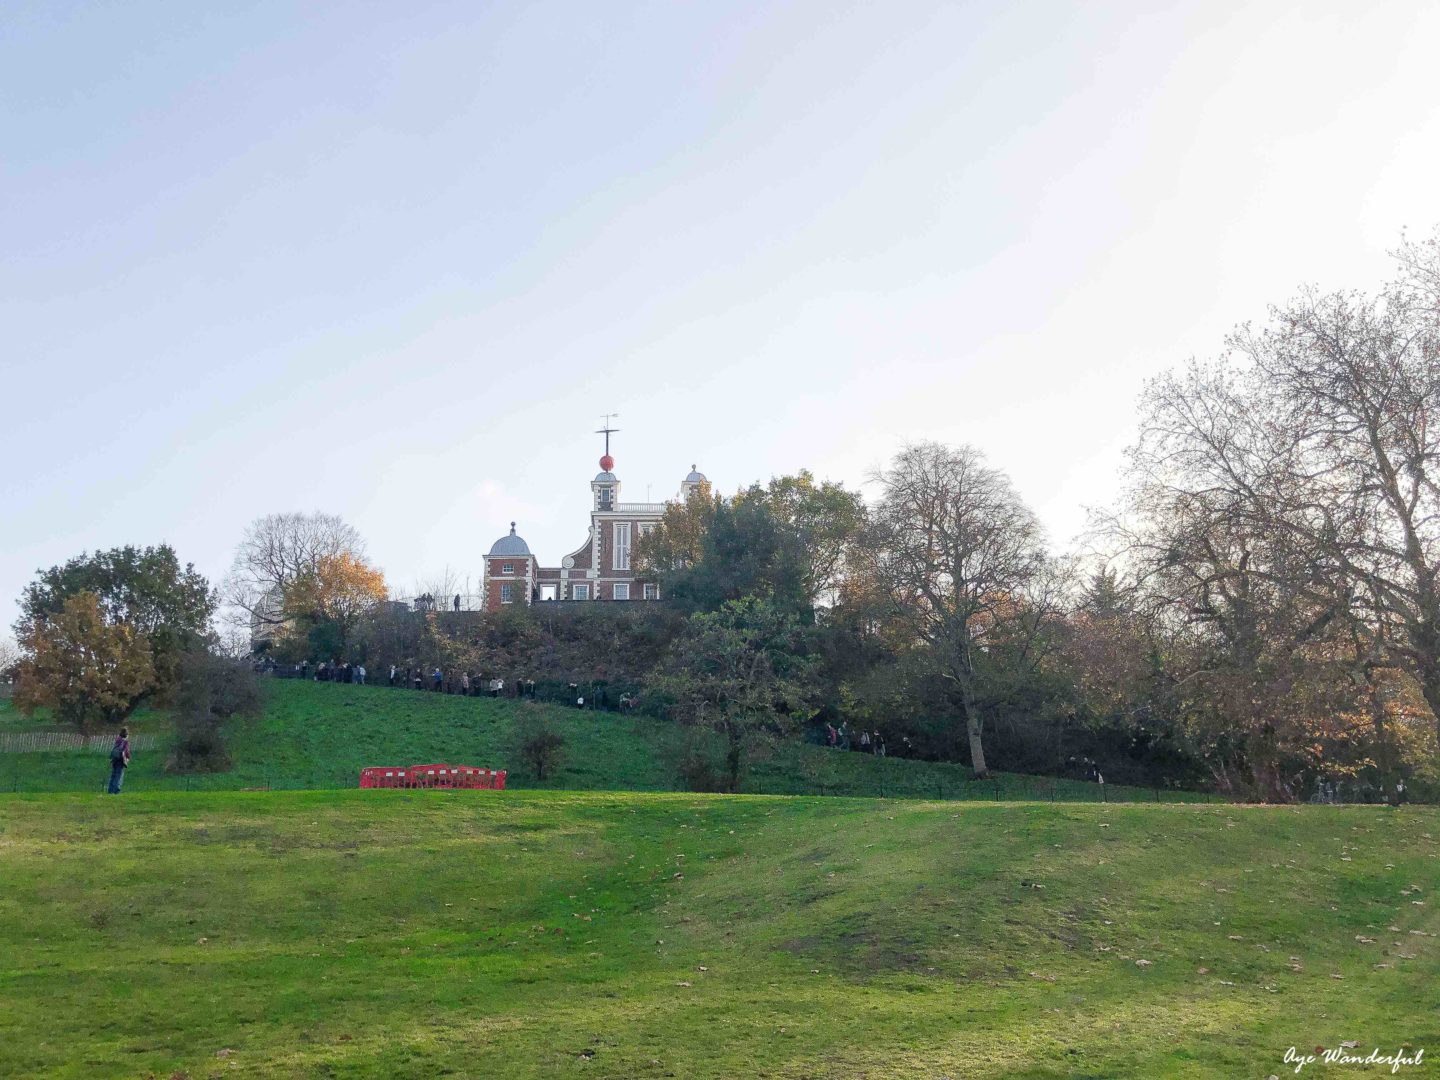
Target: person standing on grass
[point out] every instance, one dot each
(439, 680)
(360, 674)
(119, 761)
(392, 676)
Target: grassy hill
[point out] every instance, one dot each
(518, 934)
(318, 735)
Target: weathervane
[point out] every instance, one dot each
(607, 462)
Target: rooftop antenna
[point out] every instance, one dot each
(607, 462)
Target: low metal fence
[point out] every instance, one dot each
(34, 742)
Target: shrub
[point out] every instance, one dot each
(212, 691)
(695, 764)
(540, 746)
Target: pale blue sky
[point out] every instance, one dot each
(393, 261)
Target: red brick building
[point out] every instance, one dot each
(599, 569)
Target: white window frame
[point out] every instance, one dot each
(579, 591)
(507, 568)
(652, 591)
(621, 543)
(620, 590)
(507, 593)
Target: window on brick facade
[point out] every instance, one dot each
(507, 593)
(621, 590)
(580, 592)
(652, 591)
(622, 545)
(508, 568)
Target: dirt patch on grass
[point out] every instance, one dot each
(858, 951)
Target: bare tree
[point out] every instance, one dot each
(274, 553)
(9, 657)
(1354, 383)
(1285, 501)
(961, 562)
(1249, 621)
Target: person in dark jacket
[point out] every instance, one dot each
(119, 761)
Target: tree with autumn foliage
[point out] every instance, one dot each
(275, 552)
(666, 553)
(148, 589)
(90, 671)
(336, 592)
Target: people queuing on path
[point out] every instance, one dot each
(119, 761)
(865, 740)
(464, 683)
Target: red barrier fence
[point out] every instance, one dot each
(432, 776)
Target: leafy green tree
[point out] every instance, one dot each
(744, 672)
(820, 524)
(788, 541)
(145, 589)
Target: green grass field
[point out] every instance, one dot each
(516, 934)
(318, 735)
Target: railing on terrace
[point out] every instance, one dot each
(426, 602)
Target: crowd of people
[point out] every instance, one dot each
(864, 742)
(440, 681)
(434, 680)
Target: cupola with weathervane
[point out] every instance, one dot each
(606, 485)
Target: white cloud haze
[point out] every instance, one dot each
(394, 261)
